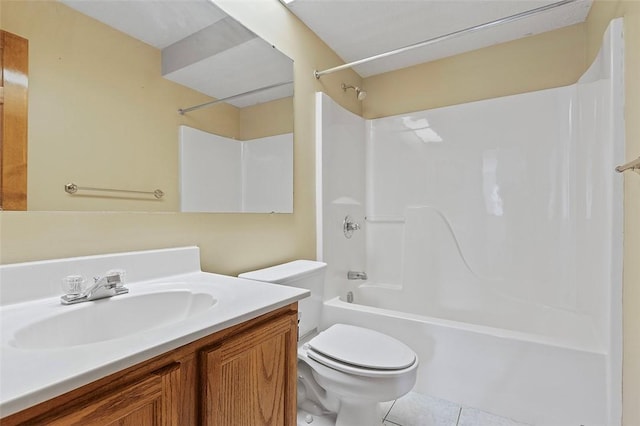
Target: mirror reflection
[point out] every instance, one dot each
(106, 83)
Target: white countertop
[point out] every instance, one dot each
(31, 376)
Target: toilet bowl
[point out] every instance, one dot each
(358, 368)
(346, 371)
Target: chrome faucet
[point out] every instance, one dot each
(111, 284)
(354, 275)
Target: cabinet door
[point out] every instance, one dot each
(250, 379)
(151, 401)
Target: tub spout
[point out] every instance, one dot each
(355, 275)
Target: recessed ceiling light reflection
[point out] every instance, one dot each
(422, 129)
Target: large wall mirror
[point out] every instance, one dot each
(107, 80)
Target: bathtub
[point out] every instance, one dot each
(554, 378)
(491, 235)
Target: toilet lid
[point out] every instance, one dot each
(363, 348)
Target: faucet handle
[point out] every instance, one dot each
(73, 284)
(116, 277)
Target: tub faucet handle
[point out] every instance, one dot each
(352, 226)
(348, 226)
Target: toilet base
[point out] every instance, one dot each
(359, 413)
(308, 419)
(350, 415)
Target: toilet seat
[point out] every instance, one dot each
(360, 351)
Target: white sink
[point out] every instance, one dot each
(111, 318)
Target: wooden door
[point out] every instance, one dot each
(14, 75)
(250, 379)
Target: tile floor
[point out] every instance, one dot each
(415, 409)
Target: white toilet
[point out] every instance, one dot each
(346, 370)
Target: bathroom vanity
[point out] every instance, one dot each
(229, 357)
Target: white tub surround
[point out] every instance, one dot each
(33, 371)
(220, 174)
(493, 231)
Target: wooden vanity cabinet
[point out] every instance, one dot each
(243, 375)
(250, 379)
(149, 401)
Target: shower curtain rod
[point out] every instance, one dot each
(475, 28)
(182, 111)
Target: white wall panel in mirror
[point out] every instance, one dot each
(267, 171)
(219, 174)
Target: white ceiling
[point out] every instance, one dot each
(354, 29)
(202, 47)
(357, 29)
(159, 23)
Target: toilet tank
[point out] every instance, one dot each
(307, 274)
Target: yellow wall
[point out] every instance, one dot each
(267, 119)
(552, 59)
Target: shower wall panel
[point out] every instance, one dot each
(340, 176)
(500, 172)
